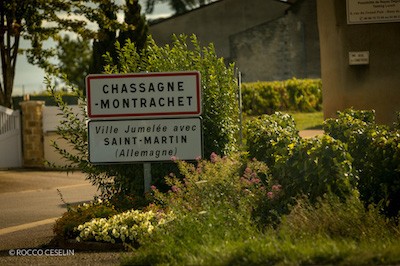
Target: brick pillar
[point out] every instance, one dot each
(32, 133)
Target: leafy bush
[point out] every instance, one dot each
(270, 137)
(310, 167)
(290, 95)
(376, 152)
(315, 167)
(220, 110)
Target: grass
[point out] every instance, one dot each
(304, 121)
(308, 120)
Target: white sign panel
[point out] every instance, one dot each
(144, 95)
(122, 141)
(359, 58)
(373, 11)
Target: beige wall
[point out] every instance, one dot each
(50, 154)
(39, 124)
(373, 86)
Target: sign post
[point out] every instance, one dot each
(144, 118)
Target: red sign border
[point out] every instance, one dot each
(151, 74)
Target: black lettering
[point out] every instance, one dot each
(104, 104)
(189, 100)
(115, 103)
(147, 140)
(151, 87)
(180, 101)
(152, 103)
(114, 88)
(125, 103)
(124, 89)
(160, 87)
(133, 88)
(180, 86)
(161, 101)
(134, 102)
(171, 101)
(105, 89)
(170, 86)
(142, 87)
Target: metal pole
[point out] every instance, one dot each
(239, 80)
(147, 176)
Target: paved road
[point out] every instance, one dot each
(30, 196)
(29, 206)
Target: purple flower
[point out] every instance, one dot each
(213, 157)
(276, 187)
(270, 195)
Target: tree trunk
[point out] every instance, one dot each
(9, 44)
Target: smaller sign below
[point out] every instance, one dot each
(151, 140)
(359, 58)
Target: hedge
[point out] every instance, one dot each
(302, 95)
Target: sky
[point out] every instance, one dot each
(29, 78)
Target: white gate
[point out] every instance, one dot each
(10, 138)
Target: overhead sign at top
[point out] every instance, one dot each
(172, 94)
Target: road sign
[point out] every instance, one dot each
(147, 140)
(144, 95)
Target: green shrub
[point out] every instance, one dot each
(270, 137)
(316, 166)
(220, 111)
(310, 167)
(376, 152)
(290, 95)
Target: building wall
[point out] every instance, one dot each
(373, 86)
(280, 49)
(264, 39)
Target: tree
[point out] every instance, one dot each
(179, 6)
(39, 21)
(106, 36)
(75, 58)
(136, 30)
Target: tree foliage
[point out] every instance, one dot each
(40, 21)
(75, 58)
(136, 30)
